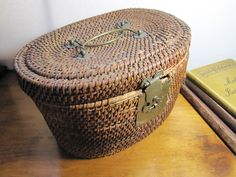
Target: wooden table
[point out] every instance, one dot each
(184, 146)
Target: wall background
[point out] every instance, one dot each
(213, 23)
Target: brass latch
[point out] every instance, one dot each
(154, 97)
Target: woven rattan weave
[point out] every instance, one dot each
(88, 85)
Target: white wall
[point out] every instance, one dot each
(213, 23)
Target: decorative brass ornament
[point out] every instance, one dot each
(154, 97)
(120, 28)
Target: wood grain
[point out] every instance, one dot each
(184, 146)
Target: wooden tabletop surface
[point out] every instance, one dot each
(183, 146)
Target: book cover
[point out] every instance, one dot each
(218, 80)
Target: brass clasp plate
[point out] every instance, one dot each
(154, 97)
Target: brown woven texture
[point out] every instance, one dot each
(90, 104)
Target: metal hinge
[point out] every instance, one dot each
(154, 97)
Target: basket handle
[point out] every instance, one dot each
(120, 28)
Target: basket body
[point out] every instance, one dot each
(90, 102)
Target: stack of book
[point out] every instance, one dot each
(212, 92)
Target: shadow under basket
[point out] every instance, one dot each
(106, 82)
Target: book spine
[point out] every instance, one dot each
(213, 105)
(223, 131)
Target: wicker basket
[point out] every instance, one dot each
(106, 82)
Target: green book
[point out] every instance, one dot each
(218, 80)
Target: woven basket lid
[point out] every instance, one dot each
(51, 71)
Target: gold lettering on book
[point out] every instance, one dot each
(216, 69)
(229, 92)
(229, 82)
